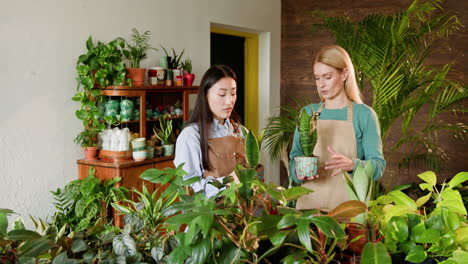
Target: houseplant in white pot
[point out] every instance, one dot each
(164, 133)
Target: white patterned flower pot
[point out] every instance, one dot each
(306, 166)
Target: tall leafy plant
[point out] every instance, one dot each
(99, 67)
(390, 53)
(137, 51)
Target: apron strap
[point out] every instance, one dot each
(350, 110)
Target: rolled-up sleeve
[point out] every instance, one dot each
(188, 152)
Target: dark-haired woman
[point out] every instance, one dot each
(211, 144)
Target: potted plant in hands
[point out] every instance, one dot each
(189, 77)
(307, 165)
(136, 52)
(164, 133)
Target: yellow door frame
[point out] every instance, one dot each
(250, 74)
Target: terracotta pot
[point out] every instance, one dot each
(188, 79)
(137, 75)
(354, 231)
(90, 153)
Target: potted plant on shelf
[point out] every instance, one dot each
(307, 165)
(100, 66)
(189, 77)
(164, 133)
(174, 71)
(137, 52)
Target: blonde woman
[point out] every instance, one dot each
(348, 132)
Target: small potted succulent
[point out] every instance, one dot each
(188, 75)
(135, 53)
(307, 165)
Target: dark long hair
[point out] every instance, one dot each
(202, 115)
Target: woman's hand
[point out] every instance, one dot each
(338, 161)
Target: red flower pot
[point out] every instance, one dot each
(188, 79)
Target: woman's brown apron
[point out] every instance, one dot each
(225, 153)
(330, 191)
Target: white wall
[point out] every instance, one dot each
(40, 42)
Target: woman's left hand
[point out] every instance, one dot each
(338, 161)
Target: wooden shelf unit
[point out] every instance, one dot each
(145, 92)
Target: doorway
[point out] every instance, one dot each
(244, 51)
(229, 50)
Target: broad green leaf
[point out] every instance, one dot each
(421, 235)
(458, 179)
(461, 236)
(416, 254)
(295, 258)
(251, 149)
(303, 232)
(79, 245)
(422, 200)
(33, 248)
(23, 235)
(26, 260)
(157, 253)
(402, 199)
(428, 177)
(452, 220)
(397, 210)
(328, 226)
(398, 228)
(3, 224)
(361, 183)
(287, 221)
(200, 252)
(295, 192)
(124, 245)
(451, 199)
(459, 256)
(375, 254)
(62, 258)
(278, 239)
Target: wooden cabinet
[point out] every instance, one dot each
(130, 170)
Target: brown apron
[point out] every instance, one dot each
(224, 154)
(330, 191)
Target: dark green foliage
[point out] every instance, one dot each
(308, 132)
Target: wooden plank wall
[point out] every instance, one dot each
(298, 47)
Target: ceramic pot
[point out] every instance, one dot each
(188, 79)
(306, 166)
(90, 153)
(137, 75)
(168, 150)
(354, 231)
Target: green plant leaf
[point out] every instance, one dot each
(402, 199)
(124, 245)
(295, 192)
(361, 183)
(303, 232)
(422, 200)
(398, 228)
(23, 235)
(461, 237)
(79, 245)
(451, 199)
(252, 151)
(458, 179)
(451, 220)
(416, 254)
(459, 256)
(328, 226)
(35, 247)
(287, 221)
(420, 234)
(375, 254)
(279, 238)
(426, 186)
(428, 177)
(3, 224)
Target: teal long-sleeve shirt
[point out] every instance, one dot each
(366, 129)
